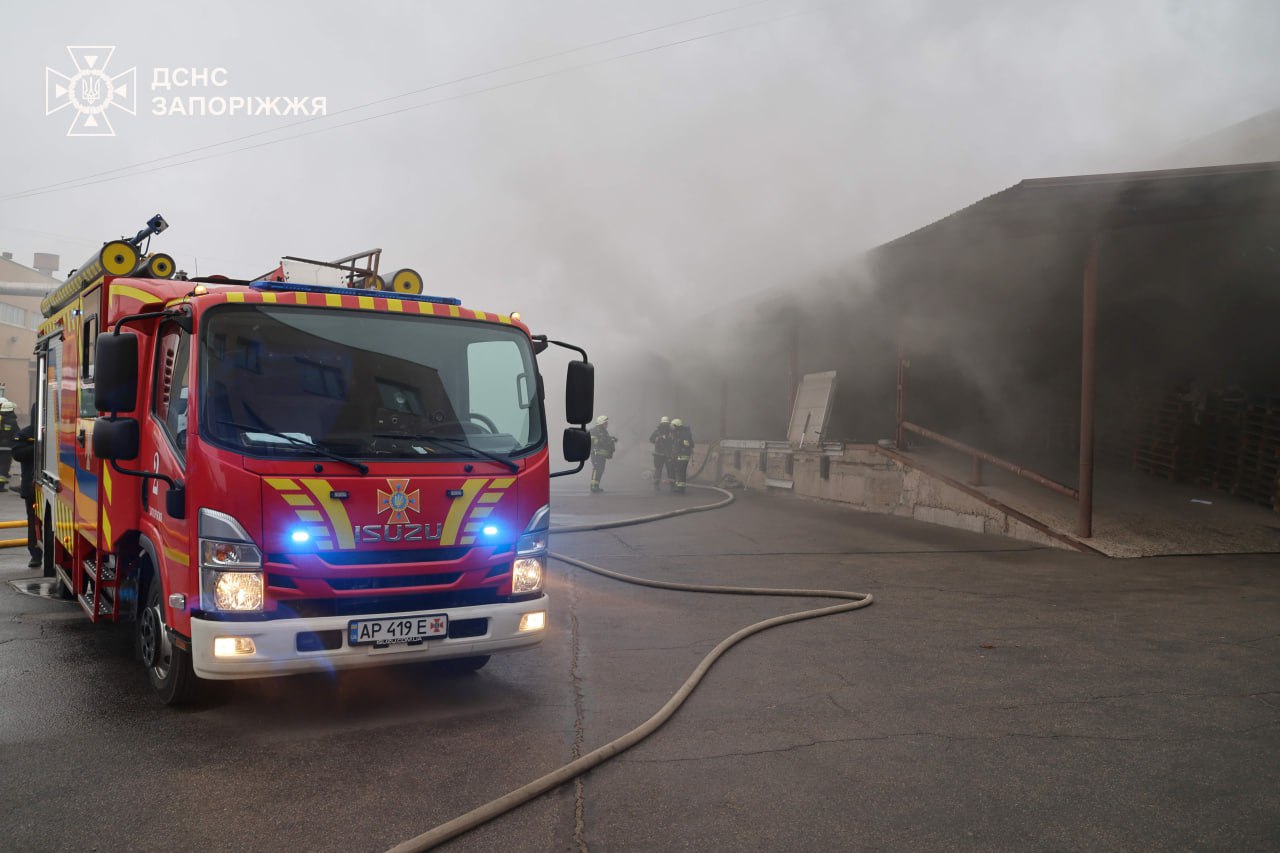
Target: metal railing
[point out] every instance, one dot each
(981, 456)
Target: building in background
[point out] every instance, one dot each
(21, 289)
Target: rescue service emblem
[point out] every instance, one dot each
(399, 501)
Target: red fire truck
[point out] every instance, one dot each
(270, 477)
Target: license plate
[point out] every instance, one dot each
(406, 630)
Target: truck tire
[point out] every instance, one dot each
(168, 667)
(460, 666)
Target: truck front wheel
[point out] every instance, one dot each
(168, 667)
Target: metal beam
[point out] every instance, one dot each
(25, 288)
(1088, 351)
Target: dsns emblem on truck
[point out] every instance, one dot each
(399, 502)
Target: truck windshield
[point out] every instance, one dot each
(295, 381)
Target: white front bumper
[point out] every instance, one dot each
(276, 642)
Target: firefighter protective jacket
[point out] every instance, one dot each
(663, 441)
(602, 444)
(683, 438)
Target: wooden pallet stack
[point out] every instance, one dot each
(1258, 478)
(1220, 438)
(1168, 444)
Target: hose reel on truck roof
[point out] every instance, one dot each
(123, 257)
(358, 272)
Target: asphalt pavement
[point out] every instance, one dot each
(996, 696)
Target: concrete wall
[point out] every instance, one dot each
(863, 477)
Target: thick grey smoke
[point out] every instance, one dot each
(628, 204)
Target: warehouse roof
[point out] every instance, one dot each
(1087, 203)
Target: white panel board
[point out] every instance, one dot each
(812, 409)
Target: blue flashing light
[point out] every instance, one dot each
(300, 536)
(490, 530)
(349, 291)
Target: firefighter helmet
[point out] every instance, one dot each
(8, 406)
(664, 420)
(602, 420)
(677, 422)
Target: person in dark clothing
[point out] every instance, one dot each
(602, 446)
(24, 451)
(682, 441)
(663, 440)
(8, 437)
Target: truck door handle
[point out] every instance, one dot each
(80, 438)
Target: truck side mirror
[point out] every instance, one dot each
(115, 371)
(175, 502)
(115, 438)
(577, 444)
(579, 393)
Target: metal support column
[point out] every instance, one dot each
(1088, 346)
(900, 414)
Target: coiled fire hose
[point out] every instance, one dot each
(493, 809)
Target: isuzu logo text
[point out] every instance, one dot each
(366, 533)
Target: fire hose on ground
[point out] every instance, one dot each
(567, 773)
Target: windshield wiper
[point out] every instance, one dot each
(354, 463)
(456, 442)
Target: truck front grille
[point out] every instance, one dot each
(393, 581)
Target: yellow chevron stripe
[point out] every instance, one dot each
(449, 536)
(297, 499)
(335, 510)
(133, 293)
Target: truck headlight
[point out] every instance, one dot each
(230, 571)
(526, 574)
(531, 554)
(237, 591)
(532, 543)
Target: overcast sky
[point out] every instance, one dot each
(614, 192)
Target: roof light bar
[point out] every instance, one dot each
(349, 291)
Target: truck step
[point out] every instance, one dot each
(108, 571)
(106, 602)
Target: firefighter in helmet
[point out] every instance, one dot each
(8, 438)
(602, 446)
(663, 441)
(682, 441)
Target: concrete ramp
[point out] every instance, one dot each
(1135, 515)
